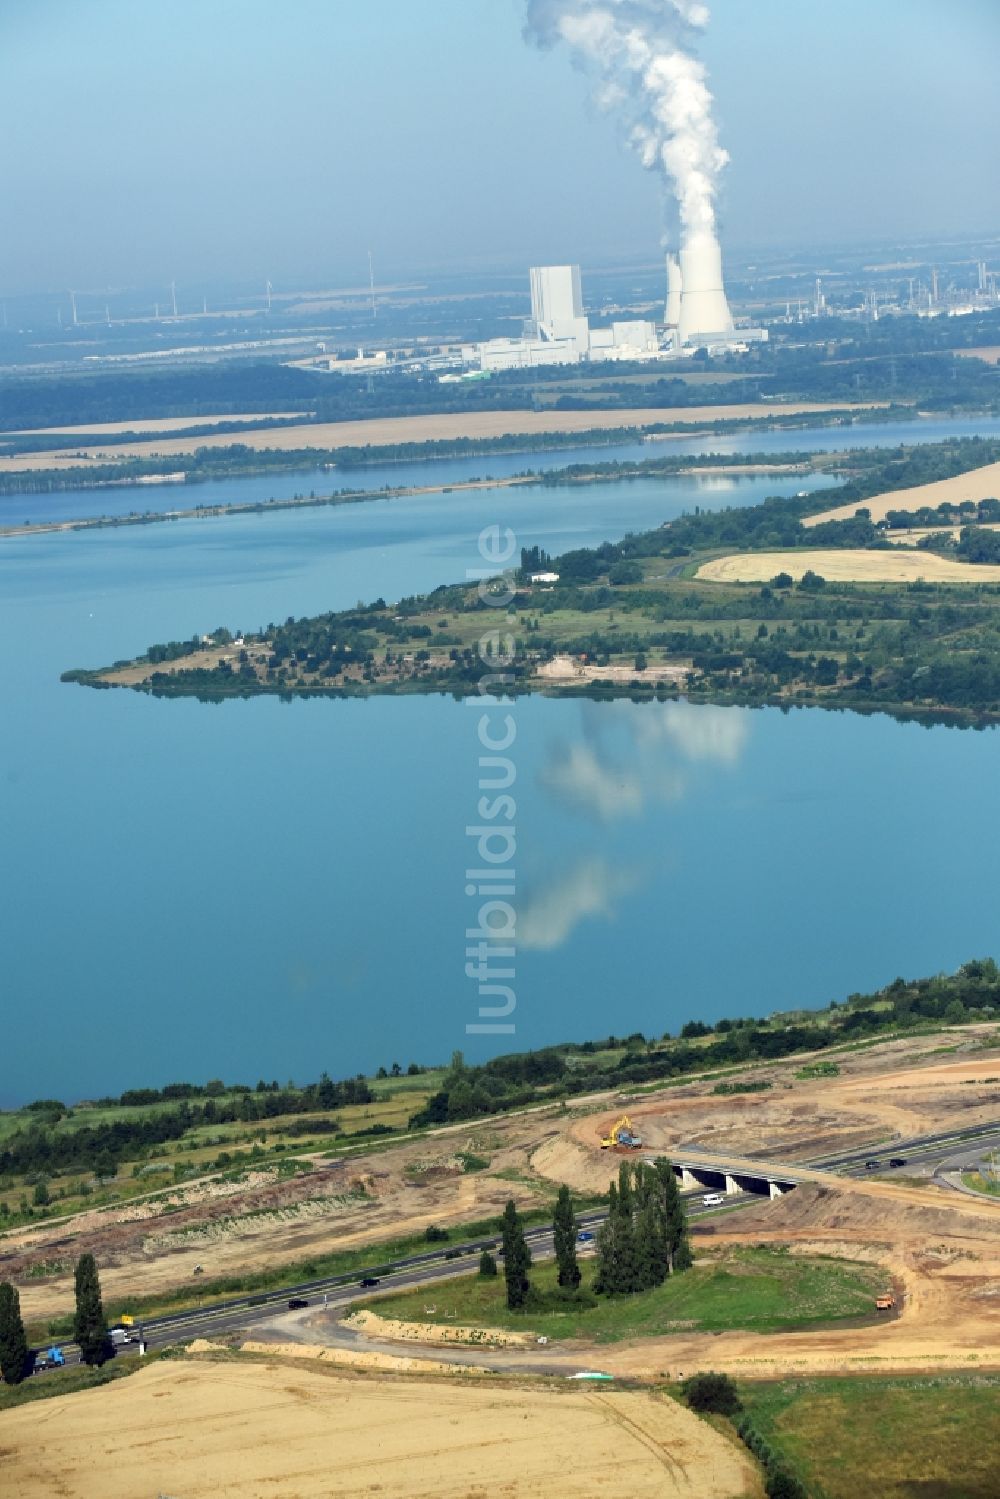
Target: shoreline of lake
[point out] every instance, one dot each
(359, 496)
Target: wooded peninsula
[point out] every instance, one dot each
(632, 618)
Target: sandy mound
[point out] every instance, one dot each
(374, 1326)
(358, 1358)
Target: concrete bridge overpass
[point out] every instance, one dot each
(734, 1175)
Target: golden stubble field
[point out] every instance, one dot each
(154, 424)
(978, 484)
(385, 431)
(210, 1429)
(847, 566)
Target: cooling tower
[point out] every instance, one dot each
(672, 313)
(704, 308)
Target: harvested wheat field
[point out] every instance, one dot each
(381, 432)
(208, 1429)
(978, 484)
(847, 566)
(155, 424)
(989, 355)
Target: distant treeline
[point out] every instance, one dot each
(136, 395)
(45, 1148)
(505, 1082)
(895, 359)
(238, 459)
(776, 524)
(514, 1081)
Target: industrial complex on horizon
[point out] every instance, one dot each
(696, 315)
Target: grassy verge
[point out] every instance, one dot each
(894, 1438)
(69, 1381)
(765, 1290)
(980, 1183)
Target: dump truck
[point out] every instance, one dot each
(886, 1302)
(621, 1136)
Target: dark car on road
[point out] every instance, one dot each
(873, 1165)
(369, 1280)
(897, 1160)
(296, 1303)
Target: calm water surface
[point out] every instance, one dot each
(71, 504)
(258, 887)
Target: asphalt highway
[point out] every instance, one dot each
(244, 1312)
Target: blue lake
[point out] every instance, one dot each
(71, 504)
(266, 888)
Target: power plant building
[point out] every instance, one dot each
(556, 294)
(557, 313)
(696, 315)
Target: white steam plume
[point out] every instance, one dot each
(641, 52)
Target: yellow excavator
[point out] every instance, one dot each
(622, 1136)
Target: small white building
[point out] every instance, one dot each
(543, 577)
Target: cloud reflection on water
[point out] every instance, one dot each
(589, 888)
(627, 759)
(633, 755)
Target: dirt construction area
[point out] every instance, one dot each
(941, 1247)
(212, 1429)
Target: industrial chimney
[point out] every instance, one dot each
(704, 308)
(672, 313)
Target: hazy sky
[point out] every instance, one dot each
(144, 139)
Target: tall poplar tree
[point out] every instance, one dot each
(564, 1230)
(13, 1343)
(628, 1260)
(516, 1258)
(89, 1326)
(607, 1279)
(625, 1197)
(675, 1218)
(644, 1237)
